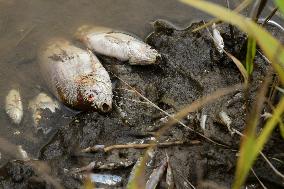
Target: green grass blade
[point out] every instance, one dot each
(251, 147)
(274, 51)
(281, 127)
(244, 161)
(269, 126)
(280, 4)
(240, 67)
(270, 46)
(251, 50)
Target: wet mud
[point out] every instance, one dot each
(190, 68)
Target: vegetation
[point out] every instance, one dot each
(252, 142)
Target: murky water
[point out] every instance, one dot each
(25, 24)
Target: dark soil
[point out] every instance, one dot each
(190, 67)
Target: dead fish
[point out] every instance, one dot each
(106, 179)
(116, 44)
(23, 153)
(41, 102)
(14, 106)
(218, 39)
(75, 76)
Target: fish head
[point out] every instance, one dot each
(142, 54)
(97, 96)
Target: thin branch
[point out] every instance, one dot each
(270, 15)
(261, 183)
(137, 146)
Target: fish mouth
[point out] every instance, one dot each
(105, 107)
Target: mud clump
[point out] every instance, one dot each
(190, 67)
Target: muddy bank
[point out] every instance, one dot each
(190, 68)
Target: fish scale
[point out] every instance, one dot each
(75, 73)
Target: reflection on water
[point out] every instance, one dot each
(25, 24)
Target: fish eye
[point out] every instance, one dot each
(90, 97)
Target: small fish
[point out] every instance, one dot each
(116, 44)
(14, 106)
(23, 153)
(75, 76)
(227, 121)
(218, 39)
(203, 121)
(106, 179)
(41, 102)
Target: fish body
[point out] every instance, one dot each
(116, 44)
(41, 102)
(218, 39)
(75, 76)
(14, 106)
(105, 179)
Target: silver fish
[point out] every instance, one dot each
(14, 106)
(75, 76)
(105, 179)
(116, 44)
(23, 153)
(218, 39)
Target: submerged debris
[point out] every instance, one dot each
(75, 76)
(14, 106)
(116, 44)
(41, 102)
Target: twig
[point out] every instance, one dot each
(261, 183)
(138, 146)
(272, 166)
(270, 16)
